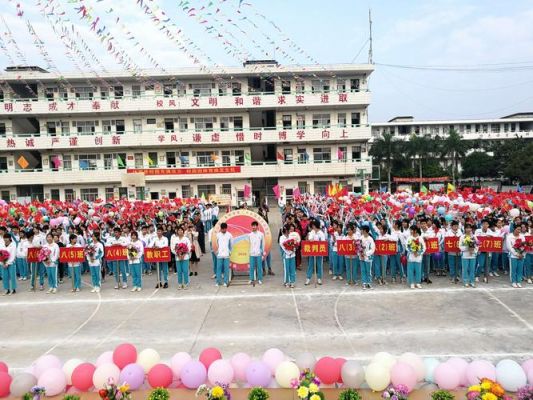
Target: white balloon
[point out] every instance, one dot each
(384, 358)
(416, 362)
(514, 212)
(103, 373)
(510, 375)
(430, 364)
(377, 376)
(286, 372)
(148, 358)
(305, 361)
(353, 374)
(69, 367)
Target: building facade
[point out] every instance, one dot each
(239, 131)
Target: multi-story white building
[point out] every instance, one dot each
(189, 133)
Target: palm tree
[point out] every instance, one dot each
(384, 149)
(419, 147)
(454, 147)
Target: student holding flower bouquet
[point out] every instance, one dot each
(469, 247)
(528, 263)
(180, 245)
(484, 259)
(22, 255)
(74, 268)
(135, 254)
(416, 248)
(352, 262)
(160, 242)
(368, 248)
(288, 246)
(94, 253)
(50, 257)
(7, 263)
(454, 259)
(516, 243)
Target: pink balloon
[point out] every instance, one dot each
(480, 369)
(446, 377)
(3, 367)
(45, 363)
(193, 374)
(526, 365)
(124, 354)
(53, 380)
(273, 357)
(82, 376)
(220, 371)
(403, 374)
(239, 362)
(460, 365)
(105, 358)
(5, 383)
(530, 376)
(160, 376)
(209, 355)
(178, 361)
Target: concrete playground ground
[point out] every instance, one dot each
(492, 321)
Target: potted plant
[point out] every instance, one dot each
(349, 394)
(71, 397)
(258, 393)
(159, 394)
(442, 395)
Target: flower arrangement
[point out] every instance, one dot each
(218, 392)
(258, 393)
(470, 242)
(289, 244)
(486, 390)
(71, 397)
(37, 392)
(395, 392)
(414, 245)
(529, 246)
(4, 256)
(44, 254)
(519, 246)
(349, 394)
(358, 247)
(90, 250)
(442, 395)
(133, 251)
(308, 386)
(525, 393)
(159, 394)
(181, 249)
(111, 391)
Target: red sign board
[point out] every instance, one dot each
(385, 248)
(432, 245)
(451, 244)
(157, 255)
(346, 247)
(184, 171)
(116, 253)
(490, 244)
(314, 248)
(33, 254)
(71, 254)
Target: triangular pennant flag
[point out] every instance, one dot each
(276, 191)
(451, 188)
(150, 161)
(120, 161)
(280, 156)
(424, 189)
(247, 158)
(214, 157)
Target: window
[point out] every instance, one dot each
(468, 128)
(85, 127)
(119, 92)
(513, 127)
(342, 153)
(285, 87)
(87, 161)
(2, 129)
(84, 93)
(89, 194)
(206, 190)
(63, 94)
(108, 161)
(495, 128)
(320, 86)
(49, 93)
(54, 194)
(204, 159)
(149, 87)
(287, 156)
(183, 124)
(201, 89)
(356, 152)
(136, 91)
(137, 126)
(51, 128)
(104, 93)
(70, 195)
(303, 187)
(120, 126)
(139, 161)
(322, 154)
(167, 90)
(181, 89)
(224, 124)
(236, 88)
(226, 188)
(139, 193)
(300, 121)
(171, 159)
(356, 119)
(184, 158)
(299, 87)
(237, 123)
(226, 158)
(107, 126)
(485, 128)
(3, 164)
(5, 195)
(239, 157)
(185, 191)
(109, 193)
(223, 88)
(341, 85)
(150, 121)
(54, 161)
(354, 85)
(341, 120)
(321, 187)
(154, 195)
(203, 124)
(152, 160)
(303, 157)
(287, 121)
(321, 121)
(169, 125)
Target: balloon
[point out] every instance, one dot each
(530, 376)
(460, 365)
(430, 208)
(220, 371)
(258, 374)
(124, 354)
(377, 376)
(82, 376)
(416, 362)
(209, 355)
(403, 374)
(305, 361)
(352, 374)
(327, 370)
(286, 372)
(77, 221)
(239, 362)
(53, 380)
(385, 359)
(103, 373)
(431, 364)
(339, 361)
(448, 217)
(21, 384)
(178, 361)
(193, 374)
(441, 210)
(446, 377)
(133, 375)
(148, 358)
(69, 367)
(90, 212)
(3, 367)
(5, 383)
(480, 369)
(104, 358)
(526, 365)
(510, 375)
(45, 363)
(514, 212)
(160, 376)
(273, 357)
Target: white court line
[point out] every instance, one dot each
(300, 323)
(297, 293)
(510, 310)
(341, 328)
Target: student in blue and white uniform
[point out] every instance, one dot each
(182, 262)
(351, 262)
(22, 256)
(95, 262)
(9, 270)
(288, 258)
(469, 255)
(483, 257)
(368, 248)
(160, 242)
(516, 257)
(454, 259)
(118, 267)
(135, 262)
(52, 263)
(257, 249)
(338, 261)
(315, 262)
(74, 268)
(396, 267)
(415, 258)
(223, 247)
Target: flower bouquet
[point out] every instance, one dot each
(520, 246)
(44, 254)
(486, 390)
(529, 246)
(111, 391)
(181, 249)
(395, 392)
(4, 256)
(289, 244)
(90, 250)
(358, 247)
(470, 242)
(37, 392)
(218, 392)
(525, 393)
(133, 252)
(308, 386)
(414, 245)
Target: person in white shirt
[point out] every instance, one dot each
(368, 248)
(51, 263)
(426, 232)
(338, 261)
(483, 258)
(37, 268)
(160, 242)
(454, 259)
(415, 253)
(74, 268)
(207, 217)
(135, 255)
(288, 258)
(95, 262)
(144, 237)
(213, 255)
(517, 256)
(315, 263)
(182, 259)
(118, 267)
(351, 261)
(496, 261)
(469, 248)
(223, 247)
(396, 265)
(9, 271)
(257, 248)
(21, 258)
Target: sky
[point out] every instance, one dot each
(451, 37)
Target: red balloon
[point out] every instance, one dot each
(160, 376)
(209, 356)
(82, 376)
(3, 367)
(340, 362)
(124, 354)
(5, 382)
(327, 370)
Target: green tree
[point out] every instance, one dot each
(505, 151)
(520, 165)
(479, 164)
(384, 149)
(419, 148)
(453, 147)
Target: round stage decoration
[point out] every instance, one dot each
(258, 374)
(273, 357)
(105, 372)
(209, 356)
(160, 376)
(353, 375)
(193, 374)
(82, 376)
(148, 358)
(21, 384)
(178, 361)
(124, 354)
(240, 362)
(377, 376)
(53, 380)
(133, 375)
(286, 372)
(220, 372)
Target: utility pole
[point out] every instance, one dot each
(370, 37)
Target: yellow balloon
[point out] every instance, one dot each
(377, 376)
(148, 358)
(286, 372)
